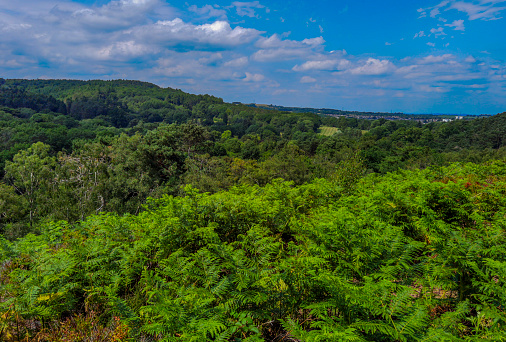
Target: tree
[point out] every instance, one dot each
(13, 209)
(30, 173)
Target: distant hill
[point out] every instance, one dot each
(368, 115)
(67, 113)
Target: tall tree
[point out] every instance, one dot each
(29, 173)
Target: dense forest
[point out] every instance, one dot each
(131, 212)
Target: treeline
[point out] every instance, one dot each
(407, 256)
(96, 109)
(62, 112)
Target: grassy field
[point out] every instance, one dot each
(329, 131)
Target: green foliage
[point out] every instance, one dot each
(409, 256)
(67, 114)
(29, 172)
(288, 238)
(13, 212)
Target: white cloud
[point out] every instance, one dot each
(123, 50)
(111, 16)
(237, 63)
(209, 11)
(314, 41)
(253, 77)
(19, 61)
(212, 58)
(247, 9)
(275, 49)
(484, 10)
(478, 9)
(419, 34)
(470, 59)
(274, 42)
(328, 64)
(432, 89)
(173, 32)
(437, 32)
(433, 11)
(431, 44)
(281, 54)
(307, 79)
(431, 59)
(200, 65)
(374, 67)
(458, 25)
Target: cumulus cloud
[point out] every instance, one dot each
(274, 42)
(327, 64)
(253, 77)
(194, 65)
(112, 16)
(274, 48)
(374, 66)
(470, 59)
(176, 31)
(122, 50)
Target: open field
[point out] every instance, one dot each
(329, 131)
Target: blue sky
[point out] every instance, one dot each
(442, 56)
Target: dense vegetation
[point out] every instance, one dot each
(409, 256)
(133, 212)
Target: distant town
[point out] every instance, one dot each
(422, 118)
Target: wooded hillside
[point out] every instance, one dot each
(130, 212)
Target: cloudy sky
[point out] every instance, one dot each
(417, 56)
